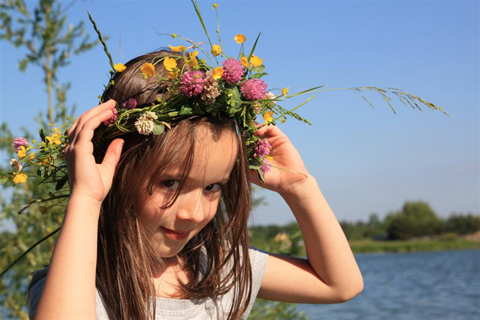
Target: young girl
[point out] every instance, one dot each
(156, 224)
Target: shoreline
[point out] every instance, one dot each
(406, 246)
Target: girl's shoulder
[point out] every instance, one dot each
(258, 261)
(35, 290)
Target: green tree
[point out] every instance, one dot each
(271, 310)
(416, 219)
(50, 44)
(286, 240)
(278, 239)
(462, 224)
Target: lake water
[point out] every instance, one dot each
(425, 286)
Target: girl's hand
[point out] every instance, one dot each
(86, 177)
(285, 156)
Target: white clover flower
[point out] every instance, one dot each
(150, 115)
(270, 95)
(16, 165)
(144, 124)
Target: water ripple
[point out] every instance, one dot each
(427, 286)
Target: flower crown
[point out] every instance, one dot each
(196, 86)
(231, 88)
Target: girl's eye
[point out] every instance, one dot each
(213, 187)
(171, 184)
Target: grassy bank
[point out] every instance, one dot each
(370, 246)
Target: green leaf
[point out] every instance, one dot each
(254, 46)
(61, 183)
(234, 99)
(259, 69)
(258, 75)
(42, 135)
(158, 128)
(23, 64)
(185, 110)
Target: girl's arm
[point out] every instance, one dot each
(330, 273)
(69, 290)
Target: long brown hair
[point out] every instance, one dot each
(126, 259)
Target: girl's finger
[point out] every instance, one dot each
(110, 104)
(85, 133)
(269, 131)
(112, 156)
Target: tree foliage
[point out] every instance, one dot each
(416, 219)
(42, 32)
(270, 310)
(462, 224)
(49, 43)
(286, 239)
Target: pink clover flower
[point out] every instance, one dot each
(19, 142)
(192, 83)
(113, 118)
(254, 89)
(232, 71)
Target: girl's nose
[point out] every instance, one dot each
(191, 207)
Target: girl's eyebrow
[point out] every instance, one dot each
(225, 180)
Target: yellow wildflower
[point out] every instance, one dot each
(20, 178)
(148, 69)
(217, 73)
(119, 67)
(216, 50)
(268, 116)
(22, 152)
(169, 63)
(192, 56)
(240, 38)
(245, 62)
(177, 49)
(54, 139)
(174, 35)
(256, 61)
(171, 75)
(44, 161)
(285, 91)
(32, 156)
(215, 6)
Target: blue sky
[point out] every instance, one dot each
(365, 160)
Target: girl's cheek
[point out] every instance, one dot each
(212, 210)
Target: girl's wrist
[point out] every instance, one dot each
(299, 190)
(79, 202)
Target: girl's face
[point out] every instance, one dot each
(197, 203)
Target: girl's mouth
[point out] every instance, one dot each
(175, 235)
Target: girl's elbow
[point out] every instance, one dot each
(350, 291)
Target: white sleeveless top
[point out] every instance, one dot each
(173, 309)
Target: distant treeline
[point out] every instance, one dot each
(416, 220)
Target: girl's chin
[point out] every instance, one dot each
(169, 250)
(168, 247)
